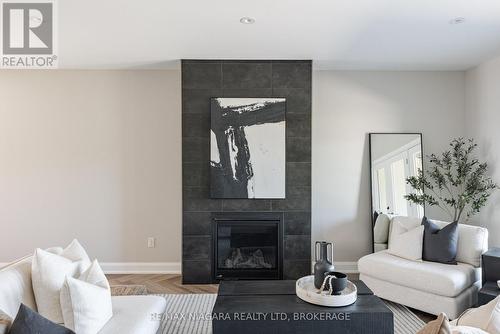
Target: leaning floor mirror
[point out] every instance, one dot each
(393, 158)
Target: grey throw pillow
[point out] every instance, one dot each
(440, 245)
(29, 322)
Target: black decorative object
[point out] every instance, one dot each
(491, 265)
(488, 292)
(323, 262)
(490, 262)
(28, 321)
(440, 245)
(338, 281)
(247, 148)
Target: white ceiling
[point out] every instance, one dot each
(336, 34)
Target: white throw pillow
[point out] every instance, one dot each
(406, 243)
(48, 273)
(76, 252)
(86, 301)
(486, 317)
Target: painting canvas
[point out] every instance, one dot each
(247, 147)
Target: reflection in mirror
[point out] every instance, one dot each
(394, 158)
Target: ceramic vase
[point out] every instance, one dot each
(323, 255)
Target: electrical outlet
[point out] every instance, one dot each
(151, 242)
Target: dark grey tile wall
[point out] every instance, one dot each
(203, 79)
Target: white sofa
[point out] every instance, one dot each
(131, 314)
(429, 286)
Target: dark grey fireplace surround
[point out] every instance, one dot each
(203, 79)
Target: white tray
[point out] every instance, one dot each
(305, 290)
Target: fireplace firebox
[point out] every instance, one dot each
(247, 246)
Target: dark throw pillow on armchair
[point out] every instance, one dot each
(30, 322)
(440, 245)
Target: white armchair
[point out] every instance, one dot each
(429, 286)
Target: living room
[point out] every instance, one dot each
(185, 167)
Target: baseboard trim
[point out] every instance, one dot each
(347, 267)
(141, 267)
(175, 267)
(134, 267)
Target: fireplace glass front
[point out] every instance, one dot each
(247, 249)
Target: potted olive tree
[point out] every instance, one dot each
(455, 181)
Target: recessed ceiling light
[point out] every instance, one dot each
(457, 20)
(247, 20)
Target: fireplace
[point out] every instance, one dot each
(203, 80)
(247, 246)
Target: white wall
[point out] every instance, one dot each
(483, 124)
(346, 107)
(94, 155)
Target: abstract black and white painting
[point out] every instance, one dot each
(247, 148)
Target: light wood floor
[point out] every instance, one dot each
(156, 283)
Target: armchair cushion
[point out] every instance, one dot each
(431, 277)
